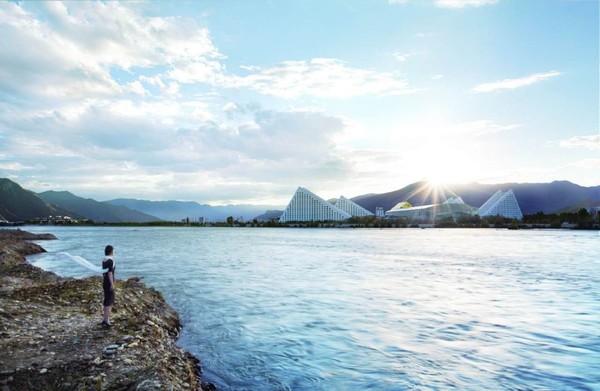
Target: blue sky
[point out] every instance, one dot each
(243, 101)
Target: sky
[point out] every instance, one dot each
(229, 101)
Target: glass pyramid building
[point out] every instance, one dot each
(307, 206)
(502, 204)
(352, 207)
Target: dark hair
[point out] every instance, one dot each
(108, 250)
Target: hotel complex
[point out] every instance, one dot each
(503, 204)
(307, 206)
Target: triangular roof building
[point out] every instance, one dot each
(352, 207)
(502, 204)
(307, 206)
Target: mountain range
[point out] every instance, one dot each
(18, 204)
(532, 197)
(94, 210)
(178, 210)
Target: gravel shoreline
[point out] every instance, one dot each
(51, 339)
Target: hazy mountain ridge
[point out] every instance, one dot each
(94, 210)
(532, 197)
(178, 210)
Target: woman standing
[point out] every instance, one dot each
(108, 283)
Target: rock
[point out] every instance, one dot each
(43, 370)
(112, 347)
(127, 338)
(86, 357)
(5, 388)
(6, 372)
(127, 361)
(208, 387)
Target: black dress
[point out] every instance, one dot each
(109, 296)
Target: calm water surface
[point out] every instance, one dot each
(335, 309)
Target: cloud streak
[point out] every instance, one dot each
(463, 3)
(320, 77)
(591, 142)
(511, 84)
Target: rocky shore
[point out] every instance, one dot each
(51, 339)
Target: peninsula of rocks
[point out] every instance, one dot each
(51, 339)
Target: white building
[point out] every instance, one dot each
(453, 207)
(379, 211)
(502, 204)
(307, 206)
(352, 207)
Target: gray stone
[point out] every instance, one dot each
(112, 347)
(86, 357)
(43, 370)
(127, 338)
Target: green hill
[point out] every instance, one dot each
(18, 204)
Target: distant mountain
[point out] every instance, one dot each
(94, 210)
(178, 210)
(269, 215)
(18, 204)
(532, 197)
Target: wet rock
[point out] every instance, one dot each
(43, 371)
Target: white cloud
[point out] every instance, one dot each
(229, 106)
(83, 44)
(463, 3)
(481, 127)
(511, 84)
(591, 142)
(172, 149)
(451, 3)
(321, 77)
(439, 76)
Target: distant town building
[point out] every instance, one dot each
(352, 207)
(379, 212)
(307, 206)
(201, 220)
(453, 207)
(502, 204)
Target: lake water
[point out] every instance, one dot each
(341, 309)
